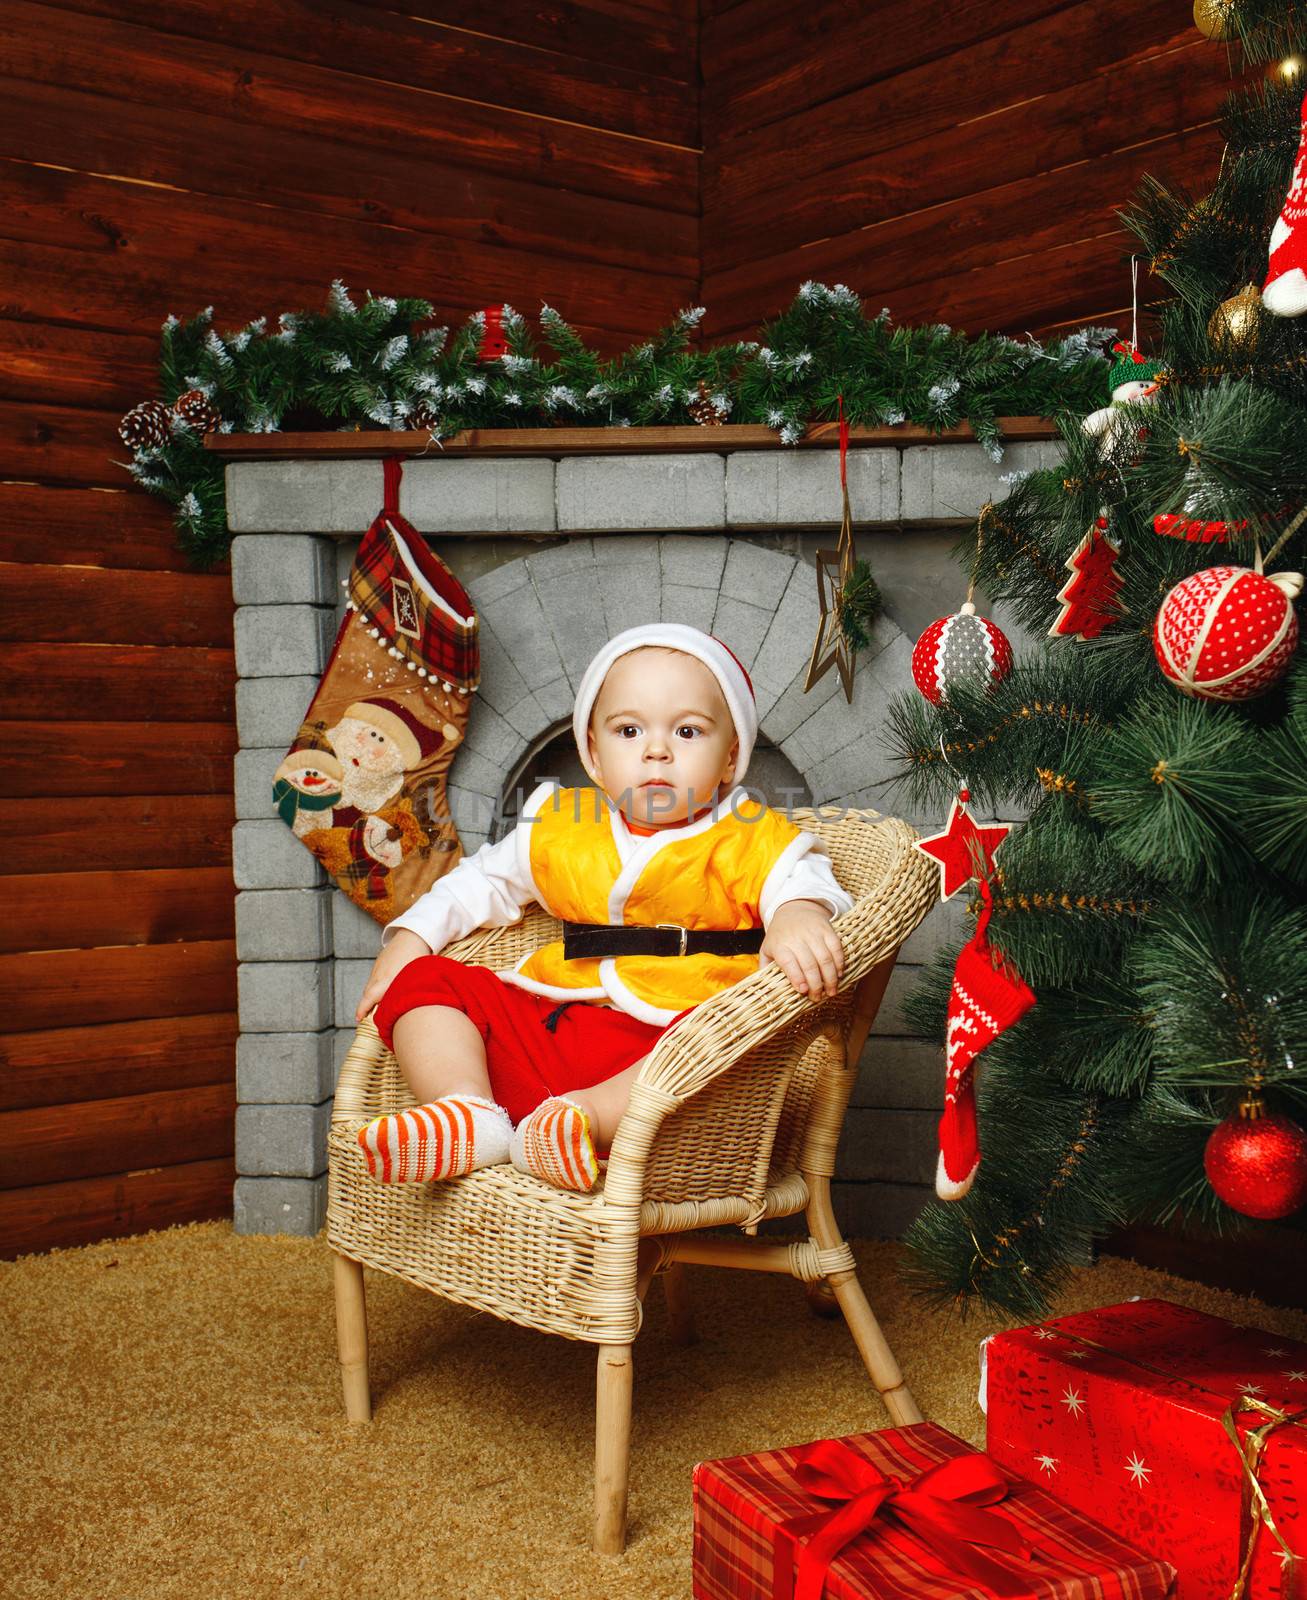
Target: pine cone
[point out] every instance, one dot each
(422, 414)
(195, 407)
(145, 427)
(704, 411)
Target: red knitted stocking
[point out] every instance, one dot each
(1285, 289)
(987, 998)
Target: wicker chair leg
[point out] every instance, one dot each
(352, 1336)
(612, 1447)
(679, 1311)
(872, 1345)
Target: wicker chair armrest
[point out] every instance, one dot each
(358, 1072)
(723, 1029)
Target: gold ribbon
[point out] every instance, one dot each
(1250, 1454)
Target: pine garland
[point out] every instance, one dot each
(373, 366)
(861, 602)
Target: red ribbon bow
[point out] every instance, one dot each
(942, 1506)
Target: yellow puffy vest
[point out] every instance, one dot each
(587, 866)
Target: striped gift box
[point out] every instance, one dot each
(742, 1551)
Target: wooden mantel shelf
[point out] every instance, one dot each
(372, 443)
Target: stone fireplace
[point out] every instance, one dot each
(558, 554)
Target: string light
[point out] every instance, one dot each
(1291, 66)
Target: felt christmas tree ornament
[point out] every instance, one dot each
(364, 784)
(1088, 599)
(986, 999)
(1284, 292)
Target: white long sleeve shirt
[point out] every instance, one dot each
(493, 887)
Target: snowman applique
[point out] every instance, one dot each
(305, 787)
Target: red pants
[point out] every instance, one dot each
(534, 1047)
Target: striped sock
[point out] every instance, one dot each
(554, 1145)
(445, 1138)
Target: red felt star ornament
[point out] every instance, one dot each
(964, 851)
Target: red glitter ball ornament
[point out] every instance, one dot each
(1227, 633)
(1256, 1161)
(958, 647)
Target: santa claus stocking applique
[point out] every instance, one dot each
(986, 999)
(1285, 291)
(364, 784)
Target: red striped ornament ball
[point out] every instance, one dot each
(957, 648)
(1227, 633)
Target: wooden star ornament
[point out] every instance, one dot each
(964, 850)
(834, 571)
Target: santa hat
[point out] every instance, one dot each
(732, 679)
(411, 736)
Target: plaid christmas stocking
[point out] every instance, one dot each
(364, 784)
(986, 999)
(1285, 291)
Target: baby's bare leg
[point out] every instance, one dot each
(440, 1051)
(605, 1102)
(455, 1126)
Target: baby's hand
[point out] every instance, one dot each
(404, 947)
(803, 944)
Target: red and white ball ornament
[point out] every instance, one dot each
(957, 648)
(1227, 633)
(1256, 1161)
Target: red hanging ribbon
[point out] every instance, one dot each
(393, 469)
(942, 1506)
(844, 447)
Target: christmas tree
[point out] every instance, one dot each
(1154, 900)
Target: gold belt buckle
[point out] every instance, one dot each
(677, 928)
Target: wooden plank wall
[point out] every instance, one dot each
(957, 162)
(952, 160)
(242, 155)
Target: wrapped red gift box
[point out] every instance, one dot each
(1124, 1412)
(753, 1519)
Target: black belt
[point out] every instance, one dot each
(585, 939)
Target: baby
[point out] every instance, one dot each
(672, 884)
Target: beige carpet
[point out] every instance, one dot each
(174, 1428)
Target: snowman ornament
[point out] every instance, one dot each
(1132, 381)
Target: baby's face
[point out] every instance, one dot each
(662, 742)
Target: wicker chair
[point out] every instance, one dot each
(734, 1118)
